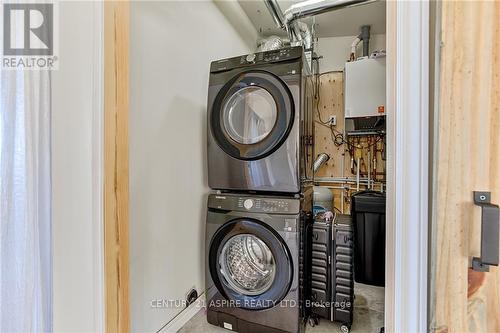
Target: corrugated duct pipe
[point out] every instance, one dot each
(270, 43)
(319, 161)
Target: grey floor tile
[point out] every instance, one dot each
(368, 316)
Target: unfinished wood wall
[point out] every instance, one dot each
(116, 190)
(331, 103)
(468, 157)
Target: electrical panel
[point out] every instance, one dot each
(364, 91)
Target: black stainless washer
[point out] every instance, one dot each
(250, 264)
(254, 261)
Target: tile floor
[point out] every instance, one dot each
(368, 315)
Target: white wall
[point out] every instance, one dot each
(76, 239)
(336, 50)
(172, 44)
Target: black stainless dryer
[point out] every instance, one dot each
(260, 122)
(254, 267)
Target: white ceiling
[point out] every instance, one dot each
(344, 22)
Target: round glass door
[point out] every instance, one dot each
(252, 115)
(250, 264)
(247, 264)
(249, 115)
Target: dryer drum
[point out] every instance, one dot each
(249, 115)
(250, 264)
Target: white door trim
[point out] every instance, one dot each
(407, 165)
(98, 164)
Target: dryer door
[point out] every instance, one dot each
(250, 264)
(252, 115)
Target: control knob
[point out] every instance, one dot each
(251, 57)
(248, 203)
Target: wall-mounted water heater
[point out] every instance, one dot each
(364, 95)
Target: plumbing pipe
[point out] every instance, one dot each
(276, 13)
(340, 187)
(342, 201)
(299, 32)
(353, 49)
(361, 182)
(365, 37)
(357, 176)
(314, 7)
(288, 19)
(327, 180)
(369, 168)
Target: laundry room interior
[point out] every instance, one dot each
(252, 166)
(307, 83)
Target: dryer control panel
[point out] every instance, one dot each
(246, 60)
(254, 204)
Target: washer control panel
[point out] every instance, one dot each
(264, 205)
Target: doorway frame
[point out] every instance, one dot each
(116, 37)
(408, 40)
(407, 36)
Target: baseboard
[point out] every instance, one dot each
(184, 316)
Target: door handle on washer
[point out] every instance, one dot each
(489, 233)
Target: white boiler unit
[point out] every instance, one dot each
(364, 88)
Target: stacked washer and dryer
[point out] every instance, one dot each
(260, 149)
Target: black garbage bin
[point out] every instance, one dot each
(368, 216)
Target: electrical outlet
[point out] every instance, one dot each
(333, 120)
(191, 296)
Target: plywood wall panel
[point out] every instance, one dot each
(330, 102)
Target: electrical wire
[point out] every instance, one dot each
(337, 137)
(338, 210)
(317, 95)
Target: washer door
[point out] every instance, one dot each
(250, 264)
(252, 115)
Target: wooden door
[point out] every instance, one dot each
(468, 159)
